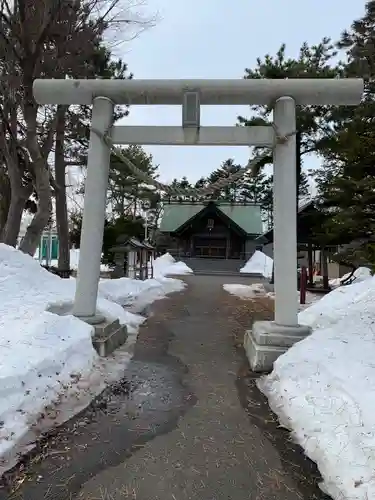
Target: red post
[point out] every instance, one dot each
(302, 286)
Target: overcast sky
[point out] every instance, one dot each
(218, 39)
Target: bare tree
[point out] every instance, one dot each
(42, 39)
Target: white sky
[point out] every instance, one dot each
(219, 39)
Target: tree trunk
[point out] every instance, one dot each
(19, 195)
(13, 222)
(41, 218)
(13, 193)
(61, 206)
(5, 198)
(42, 181)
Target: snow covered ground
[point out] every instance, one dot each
(48, 367)
(257, 290)
(247, 291)
(323, 390)
(259, 263)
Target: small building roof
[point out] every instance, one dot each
(128, 245)
(303, 224)
(148, 245)
(309, 219)
(247, 217)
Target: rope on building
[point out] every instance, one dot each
(253, 167)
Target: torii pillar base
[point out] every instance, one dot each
(266, 341)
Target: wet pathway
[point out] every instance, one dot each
(175, 428)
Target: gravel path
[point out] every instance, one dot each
(215, 452)
(186, 423)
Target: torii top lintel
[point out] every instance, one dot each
(319, 91)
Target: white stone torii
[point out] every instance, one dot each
(191, 94)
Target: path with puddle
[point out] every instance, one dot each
(178, 426)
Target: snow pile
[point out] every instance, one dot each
(323, 389)
(259, 263)
(42, 355)
(258, 290)
(127, 292)
(166, 265)
(247, 291)
(360, 274)
(341, 304)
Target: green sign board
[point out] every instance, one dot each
(54, 247)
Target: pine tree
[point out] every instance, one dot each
(72, 135)
(253, 188)
(231, 191)
(180, 185)
(346, 185)
(125, 191)
(313, 122)
(265, 195)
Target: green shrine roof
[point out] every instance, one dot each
(247, 217)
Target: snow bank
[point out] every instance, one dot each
(323, 389)
(166, 265)
(39, 351)
(259, 263)
(360, 274)
(43, 355)
(127, 292)
(258, 290)
(246, 291)
(341, 304)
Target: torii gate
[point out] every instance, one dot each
(267, 340)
